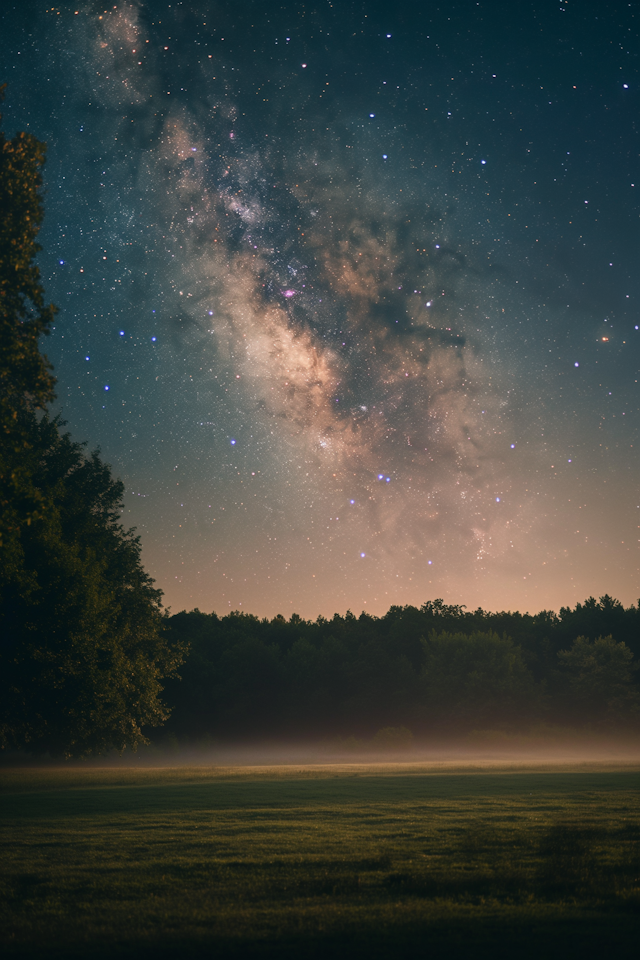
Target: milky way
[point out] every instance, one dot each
(326, 310)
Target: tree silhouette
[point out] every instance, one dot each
(600, 676)
(26, 380)
(83, 648)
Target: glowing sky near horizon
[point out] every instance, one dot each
(349, 295)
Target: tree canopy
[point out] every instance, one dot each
(601, 674)
(435, 670)
(26, 379)
(83, 649)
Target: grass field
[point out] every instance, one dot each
(341, 861)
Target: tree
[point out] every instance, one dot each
(83, 647)
(600, 674)
(473, 680)
(598, 618)
(26, 381)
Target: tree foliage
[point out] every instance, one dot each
(474, 679)
(435, 670)
(600, 674)
(83, 648)
(25, 374)
(26, 380)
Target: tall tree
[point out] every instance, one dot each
(83, 649)
(26, 380)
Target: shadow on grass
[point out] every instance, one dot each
(584, 935)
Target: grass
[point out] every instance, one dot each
(343, 861)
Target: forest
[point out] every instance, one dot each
(437, 671)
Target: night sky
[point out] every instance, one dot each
(349, 292)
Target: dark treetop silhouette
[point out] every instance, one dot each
(438, 670)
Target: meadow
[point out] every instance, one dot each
(378, 860)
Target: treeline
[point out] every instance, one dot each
(438, 670)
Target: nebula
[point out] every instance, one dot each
(334, 373)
